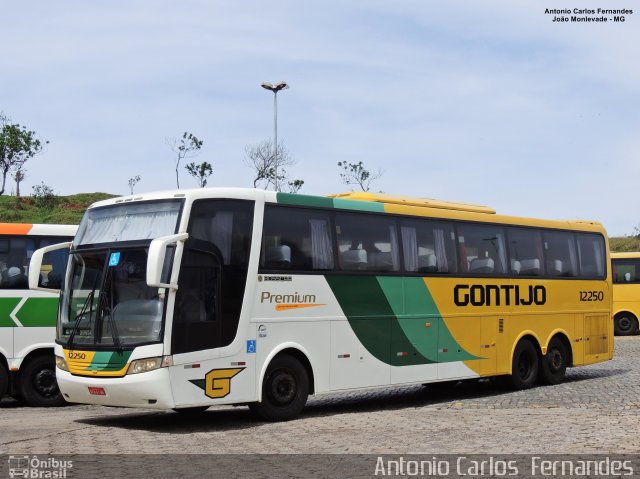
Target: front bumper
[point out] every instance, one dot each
(150, 390)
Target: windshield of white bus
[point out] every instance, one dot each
(128, 222)
(108, 301)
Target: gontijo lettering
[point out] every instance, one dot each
(506, 294)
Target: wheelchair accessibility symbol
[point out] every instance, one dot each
(251, 346)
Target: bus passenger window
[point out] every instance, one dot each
(525, 251)
(296, 239)
(14, 262)
(428, 247)
(626, 270)
(367, 242)
(591, 255)
(482, 249)
(560, 254)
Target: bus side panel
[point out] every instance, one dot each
(8, 302)
(352, 366)
(6, 341)
(308, 338)
(626, 298)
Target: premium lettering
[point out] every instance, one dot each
(267, 297)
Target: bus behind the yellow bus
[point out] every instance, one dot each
(626, 292)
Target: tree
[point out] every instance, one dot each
(17, 145)
(186, 147)
(200, 172)
(266, 165)
(44, 196)
(133, 182)
(357, 174)
(295, 185)
(18, 176)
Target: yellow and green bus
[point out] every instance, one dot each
(28, 318)
(192, 298)
(626, 292)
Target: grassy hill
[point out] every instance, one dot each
(52, 210)
(69, 210)
(626, 243)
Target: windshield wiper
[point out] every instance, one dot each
(76, 324)
(106, 308)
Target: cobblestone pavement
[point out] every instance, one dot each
(595, 410)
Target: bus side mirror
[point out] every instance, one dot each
(158, 263)
(35, 266)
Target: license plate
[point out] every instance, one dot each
(97, 391)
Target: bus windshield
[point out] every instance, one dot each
(128, 222)
(108, 301)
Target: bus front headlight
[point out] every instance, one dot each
(149, 364)
(61, 363)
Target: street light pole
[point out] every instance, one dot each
(275, 89)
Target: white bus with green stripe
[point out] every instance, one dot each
(28, 318)
(188, 299)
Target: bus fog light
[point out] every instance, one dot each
(61, 363)
(143, 365)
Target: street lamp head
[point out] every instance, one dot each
(281, 85)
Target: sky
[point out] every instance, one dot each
(486, 102)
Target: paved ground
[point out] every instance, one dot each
(595, 410)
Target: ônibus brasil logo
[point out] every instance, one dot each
(34, 467)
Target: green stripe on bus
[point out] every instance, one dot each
(322, 202)
(38, 312)
(373, 320)
(420, 308)
(109, 361)
(6, 306)
(304, 200)
(389, 314)
(358, 205)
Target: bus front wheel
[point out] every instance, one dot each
(284, 390)
(625, 324)
(554, 363)
(525, 365)
(38, 386)
(4, 380)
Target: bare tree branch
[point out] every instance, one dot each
(262, 160)
(357, 174)
(186, 147)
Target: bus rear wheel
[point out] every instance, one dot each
(284, 390)
(625, 324)
(4, 380)
(554, 363)
(525, 365)
(38, 386)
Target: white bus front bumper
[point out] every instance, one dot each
(145, 390)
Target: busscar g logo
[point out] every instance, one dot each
(217, 382)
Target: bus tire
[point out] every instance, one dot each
(284, 390)
(524, 367)
(4, 380)
(38, 386)
(554, 363)
(625, 324)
